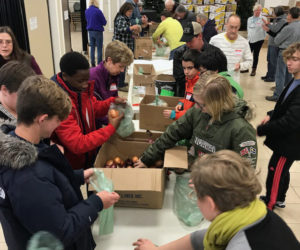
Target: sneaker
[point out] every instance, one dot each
(272, 98)
(244, 71)
(269, 80)
(263, 77)
(280, 204)
(264, 199)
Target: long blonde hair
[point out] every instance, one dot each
(94, 2)
(217, 95)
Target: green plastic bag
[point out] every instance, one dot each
(101, 183)
(44, 241)
(185, 202)
(160, 50)
(126, 127)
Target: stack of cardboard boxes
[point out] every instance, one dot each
(142, 187)
(219, 10)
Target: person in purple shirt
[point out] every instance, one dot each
(95, 21)
(107, 74)
(10, 50)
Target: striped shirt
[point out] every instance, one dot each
(236, 51)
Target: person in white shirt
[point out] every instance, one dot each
(235, 47)
(256, 34)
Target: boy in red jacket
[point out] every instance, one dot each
(78, 133)
(190, 65)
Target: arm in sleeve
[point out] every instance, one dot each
(286, 124)
(79, 176)
(35, 66)
(178, 130)
(282, 36)
(102, 19)
(121, 26)
(178, 73)
(245, 144)
(247, 58)
(38, 205)
(71, 136)
(101, 107)
(160, 30)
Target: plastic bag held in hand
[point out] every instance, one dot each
(126, 127)
(185, 202)
(106, 216)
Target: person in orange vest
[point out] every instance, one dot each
(190, 65)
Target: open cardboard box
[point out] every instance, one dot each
(151, 117)
(145, 79)
(138, 187)
(143, 48)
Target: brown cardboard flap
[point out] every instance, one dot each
(147, 78)
(136, 179)
(176, 157)
(165, 78)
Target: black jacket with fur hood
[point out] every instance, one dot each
(39, 191)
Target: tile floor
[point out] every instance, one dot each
(161, 225)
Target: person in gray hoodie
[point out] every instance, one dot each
(288, 35)
(279, 22)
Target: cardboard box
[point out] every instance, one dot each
(152, 28)
(231, 7)
(143, 48)
(151, 117)
(138, 187)
(146, 78)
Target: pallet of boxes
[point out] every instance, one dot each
(142, 187)
(219, 10)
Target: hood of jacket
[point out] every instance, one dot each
(210, 23)
(73, 94)
(14, 152)
(241, 109)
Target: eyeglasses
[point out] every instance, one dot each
(8, 42)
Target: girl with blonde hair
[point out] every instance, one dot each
(217, 121)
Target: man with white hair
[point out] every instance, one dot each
(184, 16)
(235, 47)
(169, 5)
(208, 26)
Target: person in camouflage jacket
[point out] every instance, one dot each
(208, 131)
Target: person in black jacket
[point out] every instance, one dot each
(208, 26)
(39, 191)
(282, 130)
(184, 16)
(192, 35)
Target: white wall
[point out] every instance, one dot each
(57, 32)
(109, 8)
(274, 3)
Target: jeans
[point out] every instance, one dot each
(282, 76)
(255, 48)
(272, 61)
(96, 39)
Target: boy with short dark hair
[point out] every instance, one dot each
(190, 65)
(39, 191)
(282, 130)
(12, 74)
(78, 133)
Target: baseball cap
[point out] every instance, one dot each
(191, 30)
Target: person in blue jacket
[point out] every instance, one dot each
(95, 21)
(39, 191)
